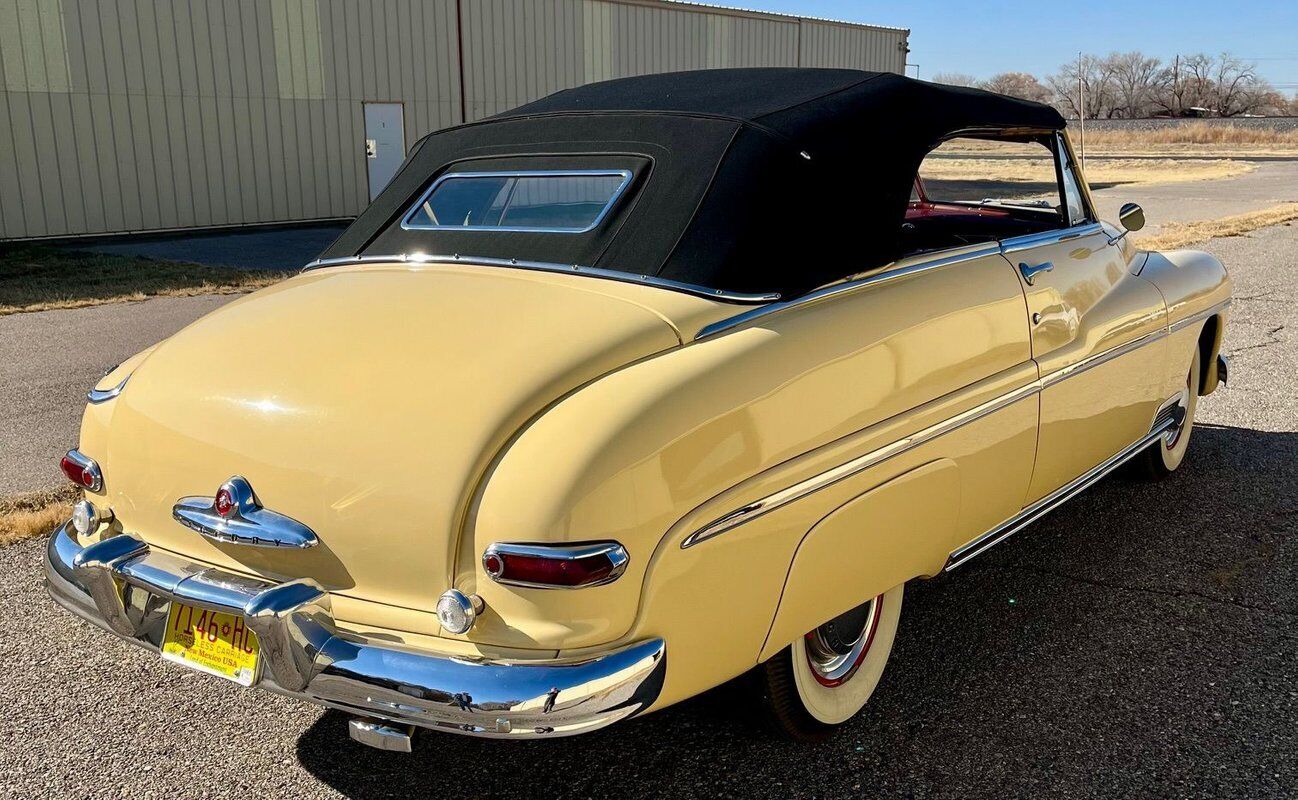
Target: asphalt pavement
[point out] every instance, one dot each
(285, 248)
(1271, 183)
(52, 358)
(1140, 642)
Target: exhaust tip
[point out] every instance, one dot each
(381, 735)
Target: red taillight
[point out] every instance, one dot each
(82, 471)
(545, 566)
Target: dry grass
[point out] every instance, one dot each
(1108, 171)
(1190, 139)
(1193, 133)
(1174, 235)
(36, 278)
(35, 513)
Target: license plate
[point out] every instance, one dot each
(212, 642)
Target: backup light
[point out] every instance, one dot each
(555, 566)
(82, 471)
(86, 518)
(457, 611)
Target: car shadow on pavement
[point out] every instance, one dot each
(1139, 640)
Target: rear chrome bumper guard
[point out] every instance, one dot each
(122, 585)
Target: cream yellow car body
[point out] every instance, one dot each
(618, 411)
(766, 441)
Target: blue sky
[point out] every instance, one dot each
(983, 38)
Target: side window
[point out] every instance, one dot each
(1073, 201)
(983, 189)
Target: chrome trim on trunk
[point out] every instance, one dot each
(124, 586)
(545, 266)
(247, 523)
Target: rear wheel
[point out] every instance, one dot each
(1165, 455)
(825, 678)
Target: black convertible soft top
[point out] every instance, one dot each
(747, 180)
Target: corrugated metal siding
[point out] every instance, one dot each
(825, 44)
(131, 115)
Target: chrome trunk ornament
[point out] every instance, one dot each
(234, 516)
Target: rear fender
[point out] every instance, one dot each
(872, 543)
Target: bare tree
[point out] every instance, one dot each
(1236, 85)
(955, 79)
(1018, 84)
(1097, 84)
(1135, 78)
(1270, 103)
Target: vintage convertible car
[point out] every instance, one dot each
(626, 393)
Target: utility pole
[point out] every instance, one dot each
(1176, 84)
(1081, 108)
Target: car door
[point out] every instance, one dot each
(1096, 335)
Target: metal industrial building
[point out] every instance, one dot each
(149, 115)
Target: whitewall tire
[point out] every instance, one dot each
(1165, 455)
(825, 678)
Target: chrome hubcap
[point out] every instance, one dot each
(837, 648)
(1183, 408)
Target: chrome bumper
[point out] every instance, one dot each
(123, 586)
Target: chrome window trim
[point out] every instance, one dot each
(625, 174)
(545, 266)
(1016, 243)
(96, 396)
(616, 553)
(1067, 162)
(939, 261)
(829, 477)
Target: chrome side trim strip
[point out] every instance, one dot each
(97, 396)
(1202, 315)
(861, 463)
(1017, 243)
(1057, 498)
(1096, 360)
(545, 266)
(857, 465)
(846, 287)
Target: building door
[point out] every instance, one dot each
(385, 143)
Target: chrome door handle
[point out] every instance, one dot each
(1030, 272)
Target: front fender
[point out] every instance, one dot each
(1197, 290)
